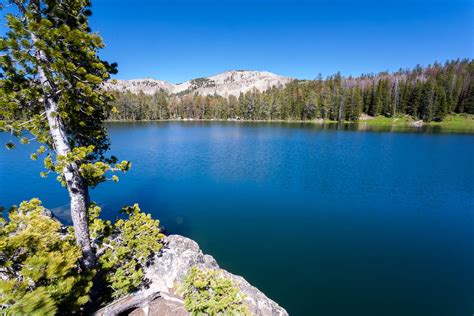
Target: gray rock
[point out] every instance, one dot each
(142, 304)
(168, 271)
(172, 264)
(161, 307)
(180, 254)
(416, 123)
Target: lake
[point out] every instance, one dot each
(324, 221)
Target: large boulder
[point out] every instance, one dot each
(168, 270)
(180, 254)
(419, 123)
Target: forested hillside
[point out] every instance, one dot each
(425, 93)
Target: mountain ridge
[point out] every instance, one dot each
(225, 84)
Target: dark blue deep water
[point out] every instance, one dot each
(324, 221)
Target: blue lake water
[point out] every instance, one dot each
(324, 221)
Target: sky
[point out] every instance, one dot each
(177, 40)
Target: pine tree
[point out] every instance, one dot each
(356, 105)
(404, 92)
(426, 105)
(440, 104)
(310, 108)
(415, 99)
(393, 99)
(51, 77)
(372, 101)
(469, 102)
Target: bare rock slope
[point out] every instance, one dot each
(225, 84)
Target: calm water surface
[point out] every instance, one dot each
(324, 221)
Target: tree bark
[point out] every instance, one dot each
(76, 186)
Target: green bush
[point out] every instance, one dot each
(39, 260)
(39, 265)
(208, 292)
(125, 247)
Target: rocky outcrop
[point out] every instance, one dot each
(365, 117)
(225, 84)
(177, 256)
(145, 304)
(168, 270)
(147, 86)
(416, 123)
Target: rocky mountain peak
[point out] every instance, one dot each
(225, 84)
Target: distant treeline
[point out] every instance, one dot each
(425, 93)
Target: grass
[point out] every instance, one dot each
(460, 121)
(403, 120)
(453, 122)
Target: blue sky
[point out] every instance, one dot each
(178, 40)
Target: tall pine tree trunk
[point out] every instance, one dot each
(76, 186)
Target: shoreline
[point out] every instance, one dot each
(452, 123)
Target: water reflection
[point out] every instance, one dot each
(326, 126)
(373, 217)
